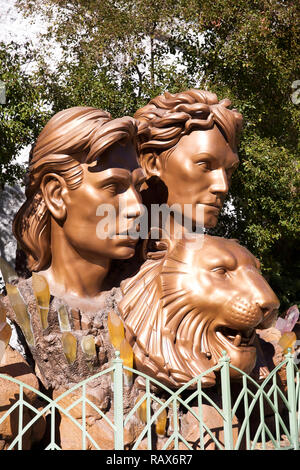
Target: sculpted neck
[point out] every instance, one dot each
(176, 231)
(71, 272)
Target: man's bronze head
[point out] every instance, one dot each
(81, 159)
(189, 141)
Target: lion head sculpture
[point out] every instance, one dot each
(183, 309)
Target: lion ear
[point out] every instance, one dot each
(258, 263)
(235, 240)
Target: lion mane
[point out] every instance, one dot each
(160, 318)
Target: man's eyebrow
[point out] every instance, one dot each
(115, 174)
(204, 155)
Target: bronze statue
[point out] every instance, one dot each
(188, 302)
(188, 149)
(81, 160)
(181, 310)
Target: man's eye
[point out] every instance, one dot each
(220, 270)
(204, 165)
(115, 188)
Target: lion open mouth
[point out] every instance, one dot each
(237, 338)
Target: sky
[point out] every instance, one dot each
(13, 26)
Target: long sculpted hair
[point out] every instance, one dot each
(167, 118)
(71, 137)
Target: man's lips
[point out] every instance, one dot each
(211, 204)
(126, 238)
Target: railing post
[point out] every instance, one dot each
(118, 402)
(291, 393)
(226, 401)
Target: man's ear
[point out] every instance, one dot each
(55, 191)
(150, 162)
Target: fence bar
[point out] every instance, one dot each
(118, 402)
(200, 415)
(83, 421)
(290, 377)
(226, 400)
(292, 403)
(148, 412)
(20, 424)
(52, 429)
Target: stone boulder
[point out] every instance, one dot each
(14, 365)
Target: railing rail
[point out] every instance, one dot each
(252, 399)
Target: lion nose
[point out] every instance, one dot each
(269, 310)
(263, 297)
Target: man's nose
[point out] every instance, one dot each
(220, 181)
(133, 203)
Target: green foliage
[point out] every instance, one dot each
(21, 116)
(266, 215)
(118, 54)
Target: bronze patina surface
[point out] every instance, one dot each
(187, 145)
(81, 160)
(183, 309)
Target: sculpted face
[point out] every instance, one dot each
(203, 301)
(113, 180)
(235, 300)
(198, 172)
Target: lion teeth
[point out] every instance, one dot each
(237, 340)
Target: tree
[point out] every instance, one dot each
(118, 54)
(21, 114)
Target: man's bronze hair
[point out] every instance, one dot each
(167, 118)
(71, 137)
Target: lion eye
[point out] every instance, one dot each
(220, 270)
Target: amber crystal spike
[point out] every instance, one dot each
(161, 423)
(142, 409)
(287, 341)
(20, 309)
(41, 292)
(2, 313)
(5, 334)
(126, 354)
(115, 329)
(69, 343)
(88, 346)
(63, 319)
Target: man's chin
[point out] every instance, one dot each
(211, 220)
(124, 251)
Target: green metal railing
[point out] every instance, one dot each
(253, 400)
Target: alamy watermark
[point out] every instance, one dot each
(297, 352)
(295, 96)
(177, 221)
(2, 93)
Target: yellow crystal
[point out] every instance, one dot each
(2, 313)
(69, 343)
(63, 319)
(142, 409)
(126, 354)
(161, 423)
(88, 345)
(8, 273)
(115, 329)
(41, 291)
(287, 340)
(5, 334)
(20, 309)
